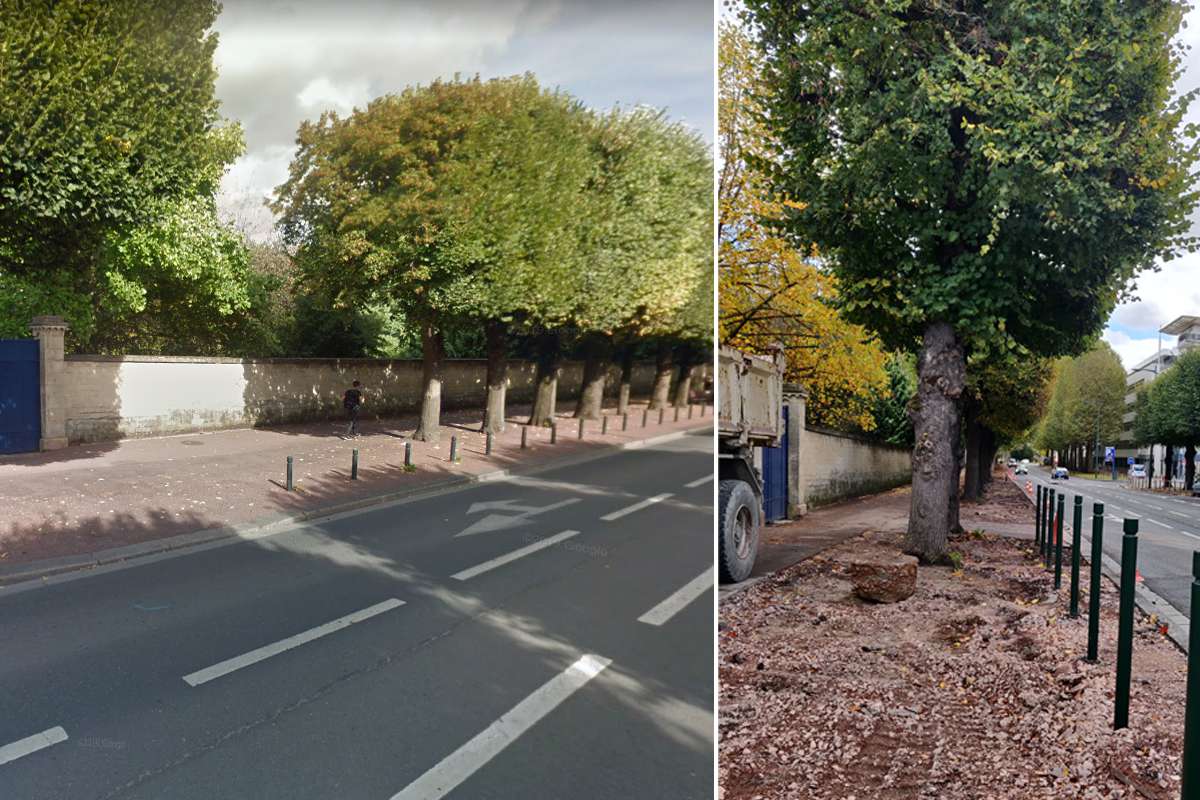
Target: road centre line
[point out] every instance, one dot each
(699, 481)
(500, 561)
(31, 744)
(262, 653)
(649, 501)
(668, 608)
(486, 745)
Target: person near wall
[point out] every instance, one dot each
(352, 401)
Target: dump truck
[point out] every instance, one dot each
(750, 415)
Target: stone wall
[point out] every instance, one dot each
(834, 466)
(109, 398)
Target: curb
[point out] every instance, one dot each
(35, 572)
(1178, 625)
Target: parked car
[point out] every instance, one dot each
(1060, 473)
(1137, 471)
(1012, 462)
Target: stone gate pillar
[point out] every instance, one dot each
(795, 398)
(49, 332)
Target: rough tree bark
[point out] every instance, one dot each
(935, 414)
(626, 385)
(989, 447)
(433, 353)
(665, 369)
(973, 482)
(1189, 467)
(597, 349)
(497, 376)
(546, 394)
(685, 357)
(1168, 466)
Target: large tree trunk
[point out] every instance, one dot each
(497, 376)
(973, 482)
(1189, 467)
(432, 353)
(959, 453)
(626, 379)
(683, 389)
(665, 366)
(987, 451)
(546, 394)
(1168, 466)
(941, 373)
(596, 348)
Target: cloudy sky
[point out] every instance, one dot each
(282, 62)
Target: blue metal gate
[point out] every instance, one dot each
(20, 396)
(775, 476)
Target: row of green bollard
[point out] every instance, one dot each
(1048, 539)
(408, 460)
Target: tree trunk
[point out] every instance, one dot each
(959, 447)
(973, 481)
(626, 379)
(1189, 467)
(597, 349)
(987, 450)
(1168, 466)
(661, 396)
(497, 375)
(547, 380)
(432, 353)
(941, 372)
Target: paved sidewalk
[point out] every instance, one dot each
(93, 497)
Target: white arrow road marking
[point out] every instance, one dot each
(499, 522)
(500, 561)
(262, 653)
(31, 744)
(668, 608)
(649, 501)
(466, 760)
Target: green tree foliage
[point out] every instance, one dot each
(1004, 398)
(890, 408)
(106, 110)
(980, 175)
(1087, 400)
(1168, 411)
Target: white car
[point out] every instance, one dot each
(1137, 471)
(1022, 468)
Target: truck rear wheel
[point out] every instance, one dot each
(737, 534)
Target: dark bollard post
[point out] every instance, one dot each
(604, 425)
(553, 433)
(1037, 519)
(625, 421)
(487, 447)
(645, 415)
(1125, 624)
(354, 464)
(524, 437)
(1094, 584)
(408, 454)
(453, 449)
(1058, 541)
(581, 427)
(1048, 535)
(1191, 714)
(661, 413)
(1076, 540)
(289, 474)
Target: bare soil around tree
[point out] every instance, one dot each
(974, 687)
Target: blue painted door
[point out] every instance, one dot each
(775, 477)
(20, 396)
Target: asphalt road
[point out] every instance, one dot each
(546, 637)
(1168, 529)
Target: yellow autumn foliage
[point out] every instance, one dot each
(768, 290)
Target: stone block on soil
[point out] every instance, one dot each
(883, 577)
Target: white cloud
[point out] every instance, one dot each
(1133, 349)
(284, 61)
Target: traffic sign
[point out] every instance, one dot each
(1129, 461)
(1110, 453)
